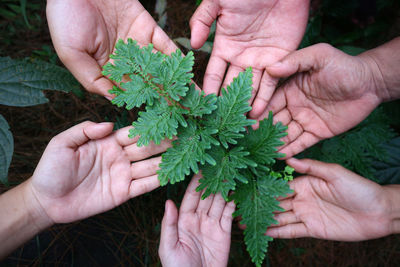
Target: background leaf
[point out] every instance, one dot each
(22, 81)
(6, 149)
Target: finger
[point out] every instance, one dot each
(283, 116)
(83, 132)
(309, 58)
(162, 42)
(214, 75)
(277, 104)
(233, 72)
(201, 21)
(257, 75)
(295, 230)
(286, 218)
(122, 136)
(205, 204)
(226, 219)
(217, 207)
(264, 94)
(169, 229)
(305, 140)
(141, 186)
(294, 131)
(326, 171)
(87, 71)
(145, 168)
(191, 198)
(136, 153)
(286, 205)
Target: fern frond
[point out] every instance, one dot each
(185, 154)
(263, 142)
(256, 202)
(198, 103)
(157, 123)
(174, 74)
(229, 117)
(222, 177)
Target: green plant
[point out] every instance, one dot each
(359, 147)
(210, 134)
(21, 85)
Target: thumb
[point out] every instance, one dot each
(309, 58)
(169, 229)
(325, 171)
(201, 22)
(83, 132)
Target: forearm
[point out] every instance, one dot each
(393, 195)
(20, 218)
(384, 63)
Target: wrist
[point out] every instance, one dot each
(392, 193)
(35, 211)
(383, 63)
(375, 81)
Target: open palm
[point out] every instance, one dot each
(329, 93)
(200, 234)
(87, 170)
(84, 33)
(254, 33)
(331, 202)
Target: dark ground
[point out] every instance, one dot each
(129, 234)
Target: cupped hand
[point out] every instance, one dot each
(252, 33)
(331, 202)
(328, 93)
(200, 235)
(87, 170)
(84, 33)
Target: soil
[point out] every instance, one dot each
(129, 234)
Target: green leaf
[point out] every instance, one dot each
(157, 123)
(129, 58)
(175, 74)
(198, 103)
(263, 142)
(388, 170)
(22, 81)
(222, 177)
(6, 149)
(230, 118)
(256, 203)
(183, 156)
(136, 93)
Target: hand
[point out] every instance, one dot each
(84, 33)
(87, 170)
(201, 234)
(254, 33)
(329, 93)
(331, 202)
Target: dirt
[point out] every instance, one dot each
(129, 234)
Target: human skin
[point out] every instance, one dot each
(200, 234)
(84, 171)
(331, 202)
(84, 34)
(329, 92)
(252, 33)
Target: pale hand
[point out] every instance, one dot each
(87, 170)
(329, 93)
(84, 33)
(200, 235)
(331, 202)
(252, 33)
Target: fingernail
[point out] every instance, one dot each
(108, 97)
